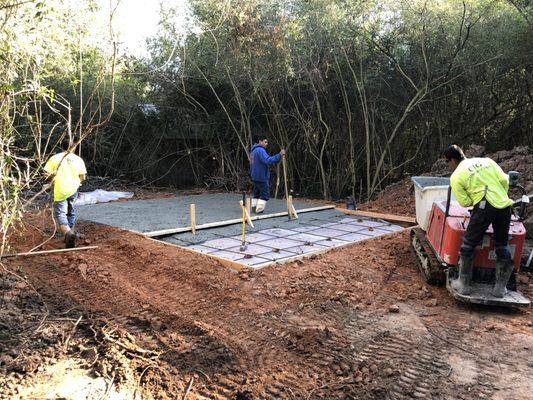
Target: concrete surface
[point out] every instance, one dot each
(278, 239)
(173, 212)
(271, 240)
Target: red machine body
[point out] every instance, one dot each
(446, 236)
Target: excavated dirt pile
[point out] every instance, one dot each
(398, 198)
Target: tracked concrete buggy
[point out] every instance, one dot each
(437, 239)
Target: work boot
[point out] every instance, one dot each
(70, 239)
(260, 207)
(462, 283)
(504, 269)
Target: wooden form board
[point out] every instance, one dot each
(387, 217)
(172, 231)
(43, 252)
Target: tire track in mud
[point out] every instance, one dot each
(331, 360)
(309, 364)
(422, 371)
(416, 357)
(126, 311)
(455, 340)
(208, 349)
(254, 343)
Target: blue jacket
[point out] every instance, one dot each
(259, 163)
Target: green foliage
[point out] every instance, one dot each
(363, 92)
(41, 47)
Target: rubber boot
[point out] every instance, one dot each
(462, 283)
(504, 269)
(70, 239)
(260, 207)
(254, 204)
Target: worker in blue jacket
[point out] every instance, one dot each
(260, 162)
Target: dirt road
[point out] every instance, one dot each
(354, 323)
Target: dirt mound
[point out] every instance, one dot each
(357, 322)
(398, 198)
(440, 167)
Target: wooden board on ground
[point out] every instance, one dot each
(43, 252)
(387, 217)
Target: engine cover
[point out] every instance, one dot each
(446, 236)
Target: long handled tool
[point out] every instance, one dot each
(245, 219)
(291, 211)
(277, 181)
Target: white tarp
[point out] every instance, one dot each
(100, 196)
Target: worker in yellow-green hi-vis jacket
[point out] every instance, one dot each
(68, 172)
(480, 183)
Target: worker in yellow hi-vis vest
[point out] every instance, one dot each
(68, 172)
(481, 183)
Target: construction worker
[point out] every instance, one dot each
(68, 172)
(260, 162)
(481, 183)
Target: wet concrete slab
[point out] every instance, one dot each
(271, 240)
(173, 212)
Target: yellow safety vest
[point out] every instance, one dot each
(477, 177)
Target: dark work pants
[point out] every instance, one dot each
(261, 190)
(479, 222)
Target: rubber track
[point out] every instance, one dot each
(436, 276)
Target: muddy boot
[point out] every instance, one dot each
(70, 239)
(504, 269)
(462, 283)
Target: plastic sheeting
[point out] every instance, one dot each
(100, 196)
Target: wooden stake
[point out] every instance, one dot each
(284, 162)
(247, 216)
(37, 253)
(387, 217)
(292, 210)
(277, 181)
(243, 239)
(217, 224)
(248, 206)
(193, 218)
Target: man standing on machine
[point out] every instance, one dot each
(481, 183)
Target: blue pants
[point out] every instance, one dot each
(64, 211)
(479, 222)
(261, 190)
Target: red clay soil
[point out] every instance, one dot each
(397, 198)
(354, 323)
